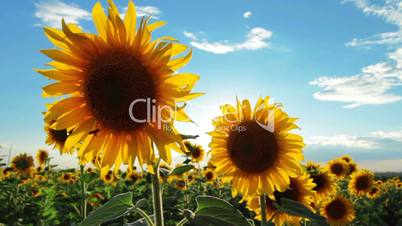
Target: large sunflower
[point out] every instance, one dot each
(300, 189)
(254, 149)
(338, 211)
(338, 168)
(325, 184)
(42, 156)
(361, 183)
(23, 164)
(120, 88)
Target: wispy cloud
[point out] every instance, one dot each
(51, 12)
(148, 11)
(391, 12)
(347, 141)
(256, 39)
(371, 86)
(374, 84)
(247, 14)
(391, 135)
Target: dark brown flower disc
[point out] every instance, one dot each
(253, 150)
(336, 209)
(114, 80)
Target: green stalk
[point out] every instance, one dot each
(157, 196)
(263, 206)
(83, 194)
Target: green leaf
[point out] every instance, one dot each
(182, 169)
(213, 211)
(114, 208)
(297, 209)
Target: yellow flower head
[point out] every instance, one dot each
(338, 211)
(325, 184)
(42, 156)
(120, 88)
(23, 164)
(361, 183)
(56, 138)
(209, 175)
(180, 184)
(347, 159)
(374, 192)
(254, 149)
(195, 151)
(312, 167)
(300, 189)
(133, 177)
(109, 178)
(338, 168)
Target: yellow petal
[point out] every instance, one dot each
(70, 119)
(100, 19)
(130, 20)
(60, 88)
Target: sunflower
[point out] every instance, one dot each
(254, 149)
(56, 138)
(65, 177)
(352, 168)
(338, 168)
(338, 211)
(39, 169)
(133, 177)
(109, 178)
(209, 175)
(347, 159)
(23, 164)
(195, 151)
(325, 184)
(180, 184)
(361, 183)
(374, 192)
(120, 88)
(300, 189)
(42, 156)
(312, 167)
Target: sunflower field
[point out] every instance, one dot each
(100, 90)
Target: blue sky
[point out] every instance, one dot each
(336, 65)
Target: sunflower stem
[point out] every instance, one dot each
(263, 206)
(157, 196)
(83, 194)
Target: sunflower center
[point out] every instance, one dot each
(115, 80)
(337, 168)
(196, 153)
(60, 136)
(320, 180)
(362, 182)
(209, 175)
(336, 209)
(253, 150)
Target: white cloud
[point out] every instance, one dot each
(347, 141)
(391, 135)
(391, 12)
(256, 39)
(370, 87)
(52, 11)
(148, 11)
(247, 14)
